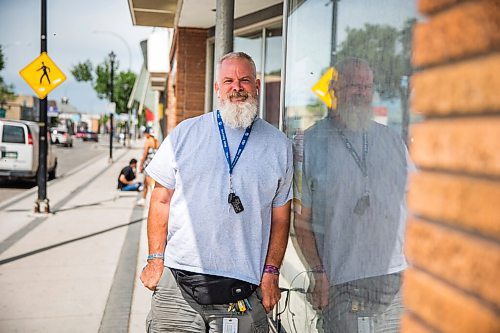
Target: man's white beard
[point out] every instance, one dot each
(239, 115)
(355, 117)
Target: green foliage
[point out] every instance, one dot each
(386, 48)
(102, 84)
(103, 120)
(6, 90)
(82, 72)
(100, 78)
(124, 80)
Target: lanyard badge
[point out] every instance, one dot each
(364, 201)
(232, 198)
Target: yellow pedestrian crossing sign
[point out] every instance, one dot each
(42, 75)
(321, 87)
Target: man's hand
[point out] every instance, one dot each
(151, 274)
(321, 291)
(271, 293)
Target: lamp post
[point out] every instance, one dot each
(112, 58)
(126, 141)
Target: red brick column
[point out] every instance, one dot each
(186, 86)
(453, 234)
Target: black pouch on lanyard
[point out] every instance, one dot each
(211, 289)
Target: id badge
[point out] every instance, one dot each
(236, 203)
(362, 204)
(230, 325)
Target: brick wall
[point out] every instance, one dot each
(186, 82)
(453, 236)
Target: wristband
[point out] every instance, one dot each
(318, 269)
(156, 256)
(271, 269)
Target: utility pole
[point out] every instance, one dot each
(224, 24)
(42, 203)
(112, 58)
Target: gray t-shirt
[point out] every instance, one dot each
(353, 246)
(205, 235)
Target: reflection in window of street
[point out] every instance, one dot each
(346, 109)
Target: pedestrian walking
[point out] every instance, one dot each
(151, 145)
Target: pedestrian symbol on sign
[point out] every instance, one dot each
(42, 75)
(44, 69)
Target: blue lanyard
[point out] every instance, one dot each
(225, 145)
(360, 162)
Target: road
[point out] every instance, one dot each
(68, 159)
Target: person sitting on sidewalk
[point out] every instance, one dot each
(127, 176)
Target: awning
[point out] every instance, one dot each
(155, 13)
(142, 92)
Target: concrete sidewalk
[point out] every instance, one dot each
(76, 270)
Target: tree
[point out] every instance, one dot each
(100, 78)
(6, 91)
(380, 46)
(388, 51)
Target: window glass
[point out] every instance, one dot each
(251, 45)
(346, 110)
(272, 76)
(13, 134)
(268, 68)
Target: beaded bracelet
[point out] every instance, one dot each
(271, 269)
(318, 269)
(156, 256)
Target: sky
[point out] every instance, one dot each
(77, 30)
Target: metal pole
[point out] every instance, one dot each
(262, 101)
(111, 98)
(224, 20)
(284, 36)
(42, 203)
(129, 124)
(333, 41)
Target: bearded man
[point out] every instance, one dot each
(351, 224)
(219, 216)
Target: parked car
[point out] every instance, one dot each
(90, 136)
(80, 134)
(61, 136)
(19, 150)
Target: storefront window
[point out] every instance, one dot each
(265, 47)
(346, 92)
(272, 75)
(251, 44)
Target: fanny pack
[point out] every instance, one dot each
(211, 289)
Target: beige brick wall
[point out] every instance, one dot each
(453, 236)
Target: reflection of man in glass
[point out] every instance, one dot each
(350, 229)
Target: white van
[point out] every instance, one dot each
(19, 150)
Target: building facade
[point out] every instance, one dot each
(434, 88)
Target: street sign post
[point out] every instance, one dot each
(42, 75)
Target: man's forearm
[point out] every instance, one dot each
(158, 221)
(280, 227)
(306, 239)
